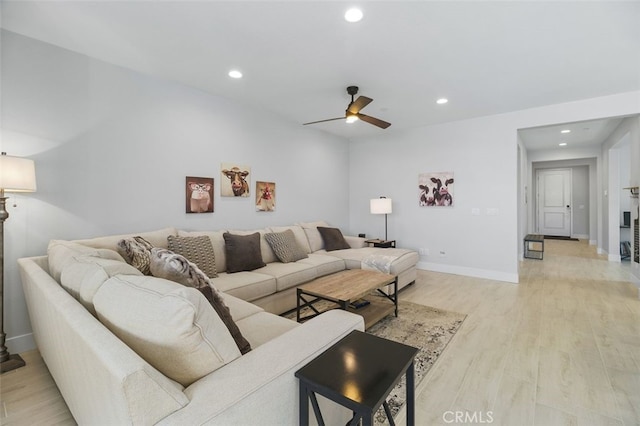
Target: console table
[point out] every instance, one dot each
(358, 372)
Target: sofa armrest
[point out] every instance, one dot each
(355, 242)
(260, 387)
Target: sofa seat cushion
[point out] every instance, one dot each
(247, 285)
(62, 253)
(173, 327)
(289, 274)
(156, 238)
(83, 278)
(325, 264)
(404, 259)
(263, 327)
(239, 308)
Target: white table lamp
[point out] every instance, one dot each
(383, 206)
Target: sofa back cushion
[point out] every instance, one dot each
(156, 238)
(62, 253)
(173, 327)
(85, 276)
(313, 235)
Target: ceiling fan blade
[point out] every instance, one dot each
(375, 121)
(322, 121)
(358, 104)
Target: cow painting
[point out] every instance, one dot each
(234, 180)
(435, 189)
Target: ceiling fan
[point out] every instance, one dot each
(353, 111)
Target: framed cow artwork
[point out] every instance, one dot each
(234, 180)
(199, 194)
(265, 196)
(435, 189)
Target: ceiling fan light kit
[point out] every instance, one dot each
(353, 114)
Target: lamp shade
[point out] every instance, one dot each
(380, 205)
(17, 174)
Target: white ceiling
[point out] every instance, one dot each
(298, 56)
(583, 134)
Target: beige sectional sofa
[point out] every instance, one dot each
(125, 348)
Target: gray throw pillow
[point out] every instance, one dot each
(198, 250)
(136, 251)
(285, 246)
(333, 239)
(175, 267)
(242, 252)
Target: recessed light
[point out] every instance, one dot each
(353, 15)
(562, 144)
(442, 101)
(565, 131)
(235, 74)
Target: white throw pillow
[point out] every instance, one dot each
(173, 327)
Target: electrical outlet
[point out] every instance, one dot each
(423, 251)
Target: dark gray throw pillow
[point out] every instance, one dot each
(242, 252)
(333, 239)
(285, 246)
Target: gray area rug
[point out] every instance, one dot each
(419, 326)
(422, 327)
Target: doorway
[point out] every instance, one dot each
(554, 202)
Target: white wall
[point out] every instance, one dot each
(112, 148)
(627, 132)
(482, 152)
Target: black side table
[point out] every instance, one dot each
(381, 243)
(358, 372)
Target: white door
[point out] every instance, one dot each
(554, 202)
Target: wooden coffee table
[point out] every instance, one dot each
(345, 287)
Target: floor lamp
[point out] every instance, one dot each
(381, 205)
(16, 175)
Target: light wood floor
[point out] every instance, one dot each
(560, 348)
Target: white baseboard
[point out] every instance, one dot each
(614, 258)
(19, 344)
(581, 236)
(592, 242)
(469, 272)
